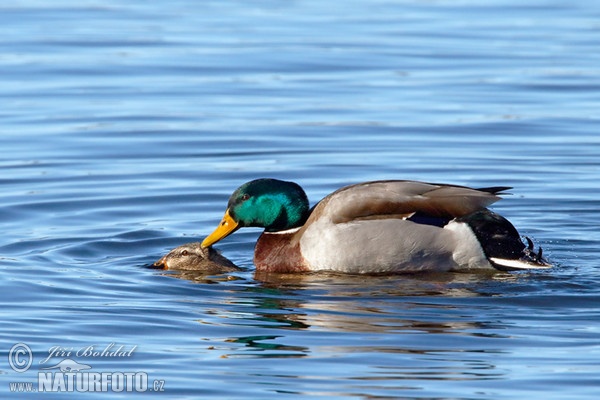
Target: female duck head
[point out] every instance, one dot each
(268, 203)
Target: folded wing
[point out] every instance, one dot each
(402, 199)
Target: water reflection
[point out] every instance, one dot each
(201, 276)
(341, 316)
(271, 350)
(369, 304)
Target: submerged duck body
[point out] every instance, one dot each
(192, 256)
(376, 227)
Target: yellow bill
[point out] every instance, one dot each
(225, 228)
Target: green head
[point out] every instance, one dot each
(269, 203)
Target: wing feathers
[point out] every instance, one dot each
(401, 199)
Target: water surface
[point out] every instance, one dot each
(125, 127)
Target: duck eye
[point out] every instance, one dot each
(185, 253)
(245, 196)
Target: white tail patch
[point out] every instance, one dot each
(518, 264)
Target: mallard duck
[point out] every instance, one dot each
(192, 256)
(388, 226)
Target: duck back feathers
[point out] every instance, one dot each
(402, 199)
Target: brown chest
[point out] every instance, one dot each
(279, 252)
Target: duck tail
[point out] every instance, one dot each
(502, 244)
(529, 259)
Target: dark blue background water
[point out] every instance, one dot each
(124, 127)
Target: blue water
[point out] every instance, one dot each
(125, 126)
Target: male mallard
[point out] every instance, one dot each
(192, 256)
(376, 227)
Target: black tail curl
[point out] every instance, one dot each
(502, 243)
(530, 254)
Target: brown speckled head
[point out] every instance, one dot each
(192, 256)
